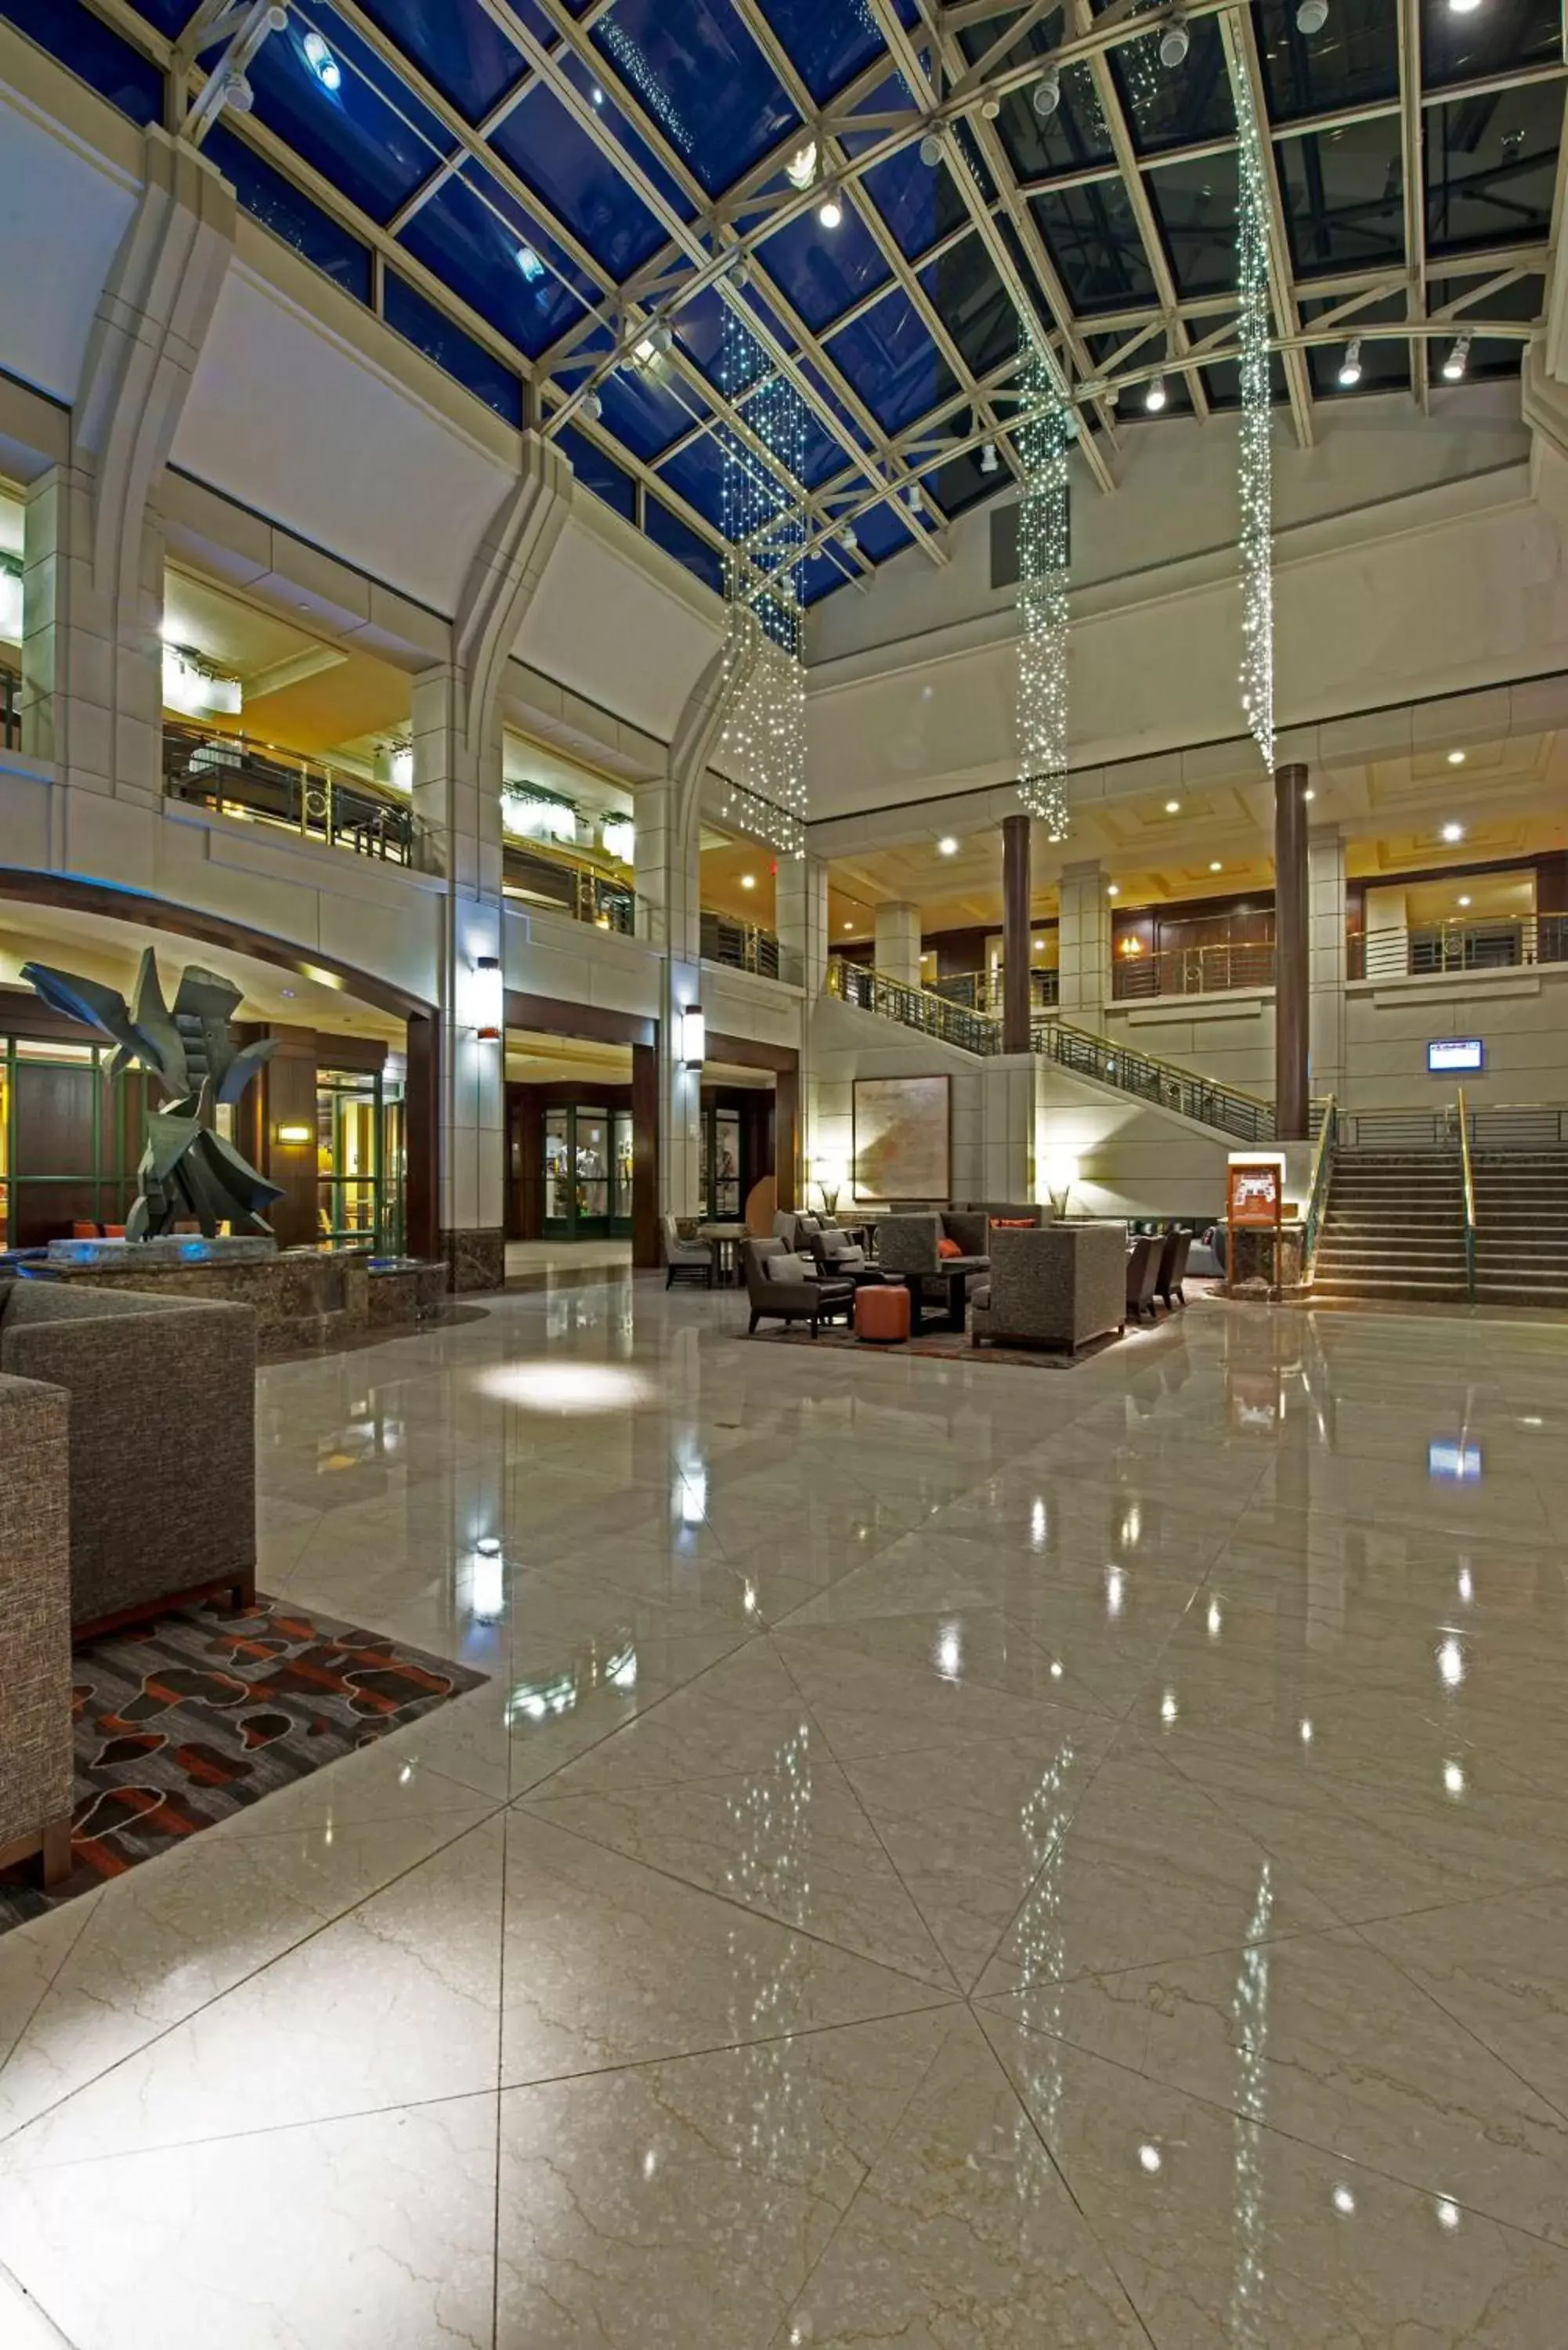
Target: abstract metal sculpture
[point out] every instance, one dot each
(188, 1171)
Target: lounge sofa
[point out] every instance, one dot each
(1057, 1285)
(36, 1777)
(162, 1442)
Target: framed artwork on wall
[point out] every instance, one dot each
(901, 1129)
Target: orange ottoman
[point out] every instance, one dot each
(882, 1313)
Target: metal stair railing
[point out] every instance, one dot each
(1163, 1083)
(1326, 1119)
(913, 1007)
(1467, 1173)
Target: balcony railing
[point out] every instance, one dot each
(979, 990)
(741, 946)
(236, 775)
(1505, 943)
(914, 1007)
(1193, 970)
(10, 709)
(567, 885)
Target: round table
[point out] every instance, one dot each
(724, 1240)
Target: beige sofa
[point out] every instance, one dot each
(1058, 1286)
(36, 1777)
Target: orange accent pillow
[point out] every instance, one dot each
(949, 1248)
(1012, 1223)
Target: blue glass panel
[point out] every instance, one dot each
(973, 304)
(819, 575)
(698, 475)
(824, 270)
(458, 46)
(171, 17)
(882, 532)
(827, 45)
(279, 205)
(369, 135)
(599, 472)
(829, 399)
(647, 411)
(893, 363)
(919, 203)
(441, 340)
(701, 77)
(98, 56)
(471, 234)
(677, 538)
(579, 182)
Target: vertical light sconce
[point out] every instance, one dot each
(297, 1137)
(693, 1036)
(490, 993)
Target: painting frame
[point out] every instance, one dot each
(901, 1139)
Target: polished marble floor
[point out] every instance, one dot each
(949, 1857)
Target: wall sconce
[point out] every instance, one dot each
(297, 1137)
(693, 1036)
(488, 1025)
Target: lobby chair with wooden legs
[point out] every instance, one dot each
(35, 1771)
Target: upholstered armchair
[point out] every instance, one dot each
(685, 1258)
(1057, 1285)
(839, 1258)
(908, 1250)
(162, 1442)
(34, 1628)
(784, 1287)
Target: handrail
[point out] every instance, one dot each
(1322, 1176)
(1209, 970)
(268, 784)
(1496, 943)
(870, 990)
(1202, 1100)
(567, 884)
(1469, 1192)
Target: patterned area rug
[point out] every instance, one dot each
(946, 1346)
(188, 1720)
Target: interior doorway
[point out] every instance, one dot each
(585, 1175)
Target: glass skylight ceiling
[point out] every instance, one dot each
(542, 193)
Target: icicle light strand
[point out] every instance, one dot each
(763, 753)
(1257, 678)
(1043, 552)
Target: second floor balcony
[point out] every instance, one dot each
(1212, 968)
(1497, 942)
(236, 775)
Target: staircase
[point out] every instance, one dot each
(1522, 1229)
(1394, 1229)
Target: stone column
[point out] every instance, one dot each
(800, 918)
(92, 583)
(1291, 999)
(457, 804)
(1085, 945)
(1327, 959)
(898, 943)
(1015, 933)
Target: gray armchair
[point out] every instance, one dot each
(839, 1258)
(36, 1779)
(1057, 1285)
(685, 1259)
(162, 1442)
(782, 1287)
(907, 1251)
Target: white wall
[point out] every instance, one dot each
(846, 1044)
(1521, 1016)
(550, 954)
(1228, 1037)
(1133, 1159)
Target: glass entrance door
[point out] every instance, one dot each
(722, 1167)
(587, 1171)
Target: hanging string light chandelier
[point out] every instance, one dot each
(1042, 438)
(1255, 460)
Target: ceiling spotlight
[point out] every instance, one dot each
(1048, 93)
(1456, 758)
(1457, 361)
(643, 350)
(529, 263)
(848, 538)
(830, 212)
(591, 408)
(748, 880)
(801, 168)
(663, 337)
(1453, 832)
(1350, 365)
(931, 150)
(1174, 44)
(238, 96)
(1154, 398)
(322, 62)
(1113, 889)
(1464, 902)
(991, 108)
(1173, 807)
(1312, 17)
(1215, 866)
(912, 496)
(989, 460)
(947, 846)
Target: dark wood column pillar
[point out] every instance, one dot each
(1015, 933)
(1292, 998)
(421, 1136)
(645, 1155)
(792, 1191)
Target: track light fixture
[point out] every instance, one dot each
(931, 150)
(591, 408)
(238, 96)
(1312, 17)
(322, 62)
(1154, 398)
(801, 168)
(1048, 93)
(1454, 366)
(1350, 365)
(848, 538)
(1174, 44)
(830, 211)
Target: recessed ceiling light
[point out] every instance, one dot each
(748, 880)
(1113, 889)
(1464, 902)
(1452, 832)
(1309, 794)
(1173, 807)
(947, 846)
(849, 926)
(1215, 866)
(1456, 758)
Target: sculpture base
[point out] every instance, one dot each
(300, 1298)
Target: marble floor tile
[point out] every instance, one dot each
(1499, 1968)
